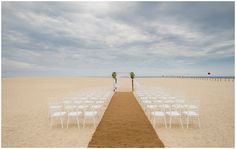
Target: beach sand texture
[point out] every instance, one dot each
(216, 112)
(25, 106)
(124, 124)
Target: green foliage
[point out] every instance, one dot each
(113, 75)
(132, 75)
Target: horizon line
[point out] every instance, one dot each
(141, 76)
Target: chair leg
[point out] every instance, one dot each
(170, 121)
(51, 121)
(165, 121)
(98, 115)
(199, 124)
(187, 121)
(94, 122)
(61, 123)
(68, 121)
(84, 123)
(150, 114)
(155, 123)
(77, 119)
(153, 120)
(181, 121)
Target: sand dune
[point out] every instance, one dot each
(25, 122)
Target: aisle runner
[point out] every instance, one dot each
(124, 124)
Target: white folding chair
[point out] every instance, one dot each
(150, 108)
(175, 112)
(98, 108)
(57, 113)
(77, 101)
(164, 104)
(90, 114)
(89, 102)
(74, 113)
(158, 113)
(81, 107)
(144, 103)
(101, 102)
(180, 104)
(53, 105)
(192, 112)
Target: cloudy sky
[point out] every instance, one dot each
(96, 38)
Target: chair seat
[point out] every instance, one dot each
(152, 97)
(66, 102)
(82, 106)
(89, 102)
(90, 113)
(190, 113)
(55, 106)
(144, 97)
(192, 107)
(58, 114)
(179, 106)
(100, 101)
(97, 106)
(70, 107)
(173, 113)
(164, 106)
(158, 113)
(146, 101)
(180, 101)
(169, 101)
(157, 101)
(151, 106)
(78, 101)
(71, 114)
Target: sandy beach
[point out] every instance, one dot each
(25, 106)
(69, 67)
(216, 112)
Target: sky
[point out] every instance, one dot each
(97, 38)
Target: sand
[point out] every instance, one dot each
(25, 122)
(216, 112)
(25, 106)
(124, 124)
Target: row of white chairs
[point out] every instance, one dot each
(79, 107)
(158, 104)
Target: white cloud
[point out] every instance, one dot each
(89, 35)
(9, 64)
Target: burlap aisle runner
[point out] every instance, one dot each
(124, 124)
